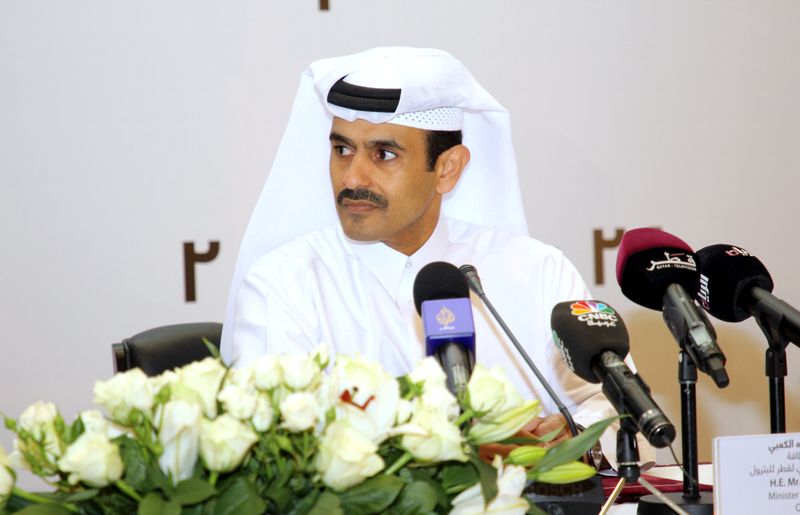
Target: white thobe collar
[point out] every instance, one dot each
(390, 267)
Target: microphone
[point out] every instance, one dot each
(441, 295)
(474, 281)
(734, 285)
(592, 339)
(655, 269)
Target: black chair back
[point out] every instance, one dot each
(167, 347)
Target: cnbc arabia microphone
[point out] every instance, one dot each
(593, 340)
(734, 284)
(474, 282)
(655, 269)
(441, 295)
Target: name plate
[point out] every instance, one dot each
(757, 474)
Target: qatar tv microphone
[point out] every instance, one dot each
(657, 270)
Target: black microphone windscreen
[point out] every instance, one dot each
(583, 329)
(439, 280)
(649, 260)
(728, 273)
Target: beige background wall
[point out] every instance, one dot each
(130, 127)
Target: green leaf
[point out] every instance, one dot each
(141, 472)
(43, 509)
(154, 504)
(372, 496)
(533, 440)
(192, 491)
(417, 498)
(327, 504)
(10, 423)
(487, 475)
(458, 476)
(305, 505)
(239, 497)
(572, 449)
(114, 501)
(281, 496)
(212, 349)
(84, 495)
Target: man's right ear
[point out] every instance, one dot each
(449, 166)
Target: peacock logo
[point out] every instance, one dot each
(594, 313)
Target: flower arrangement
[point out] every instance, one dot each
(284, 436)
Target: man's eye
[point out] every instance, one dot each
(342, 150)
(386, 155)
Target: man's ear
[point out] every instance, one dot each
(449, 166)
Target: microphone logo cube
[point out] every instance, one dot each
(447, 320)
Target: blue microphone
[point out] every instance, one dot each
(441, 295)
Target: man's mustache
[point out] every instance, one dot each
(361, 194)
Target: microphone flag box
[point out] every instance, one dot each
(757, 474)
(446, 321)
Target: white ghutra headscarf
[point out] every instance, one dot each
(417, 87)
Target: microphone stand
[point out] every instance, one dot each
(692, 500)
(629, 471)
(770, 317)
(581, 497)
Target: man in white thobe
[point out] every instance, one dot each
(421, 169)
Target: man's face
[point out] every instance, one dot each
(382, 187)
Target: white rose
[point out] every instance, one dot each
(428, 370)
(166, 378)
(39, 420)
(346, 457)
(490, 393)
(510, 482)
(404, 411)
(299, 371)
(299, 411)
(430, 436)
(124, 392)
(239, 394)
(199, 382)
(225, 442)
(439, 397)
(268, 373)
(92, 459)
(6, 478)
(361, 385)
(264, 414)
(16, 459)
(178, 433)
(95, 422)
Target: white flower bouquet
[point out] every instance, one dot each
(285, 436)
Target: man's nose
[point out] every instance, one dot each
(357, 174)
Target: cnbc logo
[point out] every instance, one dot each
(594, 313)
